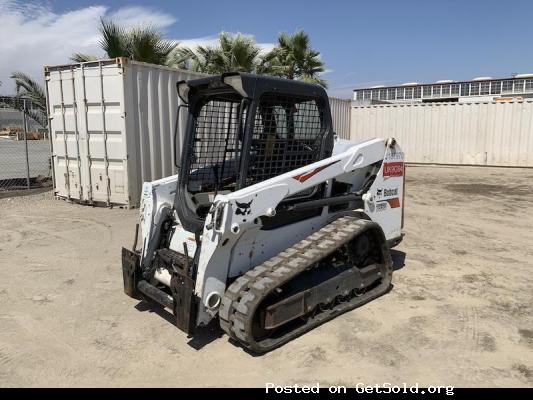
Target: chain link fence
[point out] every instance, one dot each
(25, 159)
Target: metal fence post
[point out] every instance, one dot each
(25, 127)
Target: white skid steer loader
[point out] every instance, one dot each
(272, 225)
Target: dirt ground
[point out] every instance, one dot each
(460, 312)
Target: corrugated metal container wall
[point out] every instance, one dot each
(340, 114)
(490, 133)
(99, 155)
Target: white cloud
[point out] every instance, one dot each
(136, 15)
(34, 36)
(266, 47)
(201, 41)
(38, 36)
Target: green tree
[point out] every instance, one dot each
(140, 43)
(233, 53)
(28, 89)
(293, 58)
(199, 59)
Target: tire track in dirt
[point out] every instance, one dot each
(474, 338)
(9, 240)
(5, 356)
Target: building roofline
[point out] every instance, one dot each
(442, 84)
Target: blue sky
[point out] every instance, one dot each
(363, 43)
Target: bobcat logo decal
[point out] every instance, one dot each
(243, 208)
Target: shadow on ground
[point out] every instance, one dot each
(23, 192)
(202, 337)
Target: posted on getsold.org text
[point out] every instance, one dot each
(359, 388)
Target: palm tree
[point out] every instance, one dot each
(233, 53)
(29, 90)
(82, 57)
(199, 59)
(293, 58)
(140, 43)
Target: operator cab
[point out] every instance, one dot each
(243, 129)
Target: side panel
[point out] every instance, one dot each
(151, 104)
(384, 200)
(256, 246)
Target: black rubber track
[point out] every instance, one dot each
(246, 293)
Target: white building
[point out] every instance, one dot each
(518, 87)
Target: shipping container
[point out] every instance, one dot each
(479, 133)
(111, 128)
(340, 114)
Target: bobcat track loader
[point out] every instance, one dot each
(272, 224)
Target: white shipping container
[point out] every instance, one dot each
(480, 133)
(112, 127)
(340, 114)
